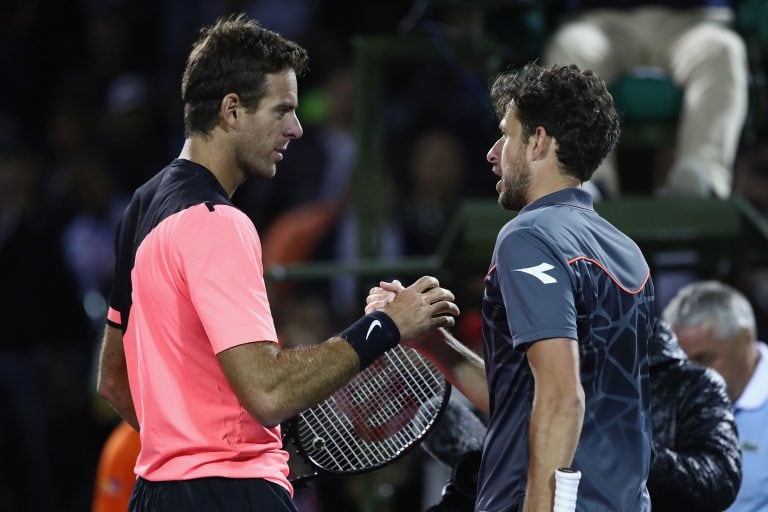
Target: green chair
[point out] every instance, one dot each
(649, 104)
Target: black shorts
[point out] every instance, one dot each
(214, 494)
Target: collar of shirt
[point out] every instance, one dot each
(756, 392)
(568, 196)
(194, 167)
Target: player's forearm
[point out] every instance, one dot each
(115, 390)
(554, 432)
(275, 384)
(124, 407)
(112, 381)
(463, 368)
(311, 374)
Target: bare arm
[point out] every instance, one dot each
(461, 366)
(112, 382)
(275, 384)
(556, 417)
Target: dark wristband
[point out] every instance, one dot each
(371, 336)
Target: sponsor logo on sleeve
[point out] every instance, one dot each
(539, 272)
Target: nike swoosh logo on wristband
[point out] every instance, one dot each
(374, 324)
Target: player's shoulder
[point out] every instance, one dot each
(517, 244)
(210, 215)
(551, 219)
(539, 227)
(150, 188)
(206, 225)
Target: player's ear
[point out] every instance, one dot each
(543, 143)
(228, 109)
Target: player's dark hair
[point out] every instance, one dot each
(573, 106)
(234, 55)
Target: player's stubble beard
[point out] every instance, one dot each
(252, 165)
(516, 185)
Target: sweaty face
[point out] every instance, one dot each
(509, 163)
(267, 130)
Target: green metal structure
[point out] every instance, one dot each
(714, 229)
(717, 229)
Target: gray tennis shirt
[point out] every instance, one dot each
(559, 270)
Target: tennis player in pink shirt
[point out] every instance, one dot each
(190, 357)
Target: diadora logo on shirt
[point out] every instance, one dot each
(539, 272)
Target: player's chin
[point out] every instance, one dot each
(266, 171)
(503, 201)
(507, 201)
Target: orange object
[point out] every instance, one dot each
(115, 477)
(295, 234)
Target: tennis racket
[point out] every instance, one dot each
(381, 414)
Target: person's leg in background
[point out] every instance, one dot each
(709, 62)
(604, 42)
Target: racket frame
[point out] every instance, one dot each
(291, 432)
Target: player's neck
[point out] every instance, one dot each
(548, 181)
(211, 154)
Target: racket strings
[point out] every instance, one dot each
(413, 391)
(339, 457)
(380, 413)
(324, 424)
(416, 392)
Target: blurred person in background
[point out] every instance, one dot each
(692, 42)
(695, 459)
(132, 134)
(42, 386)
(88, 238)
(436, 171)
(716, 327)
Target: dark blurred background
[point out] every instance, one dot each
(90, 109)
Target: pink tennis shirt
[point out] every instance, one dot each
(189, 284)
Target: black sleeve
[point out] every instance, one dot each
(702, 469)
(121, 283)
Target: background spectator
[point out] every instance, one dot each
(691, 42)
(716, 327)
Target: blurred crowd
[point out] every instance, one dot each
(91, 109)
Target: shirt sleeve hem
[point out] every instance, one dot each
(219, 350)
(530, 337)
(114, 324)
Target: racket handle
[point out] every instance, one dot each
(566, 489)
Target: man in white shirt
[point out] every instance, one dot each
(715, 325)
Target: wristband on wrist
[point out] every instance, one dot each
(371, 336)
